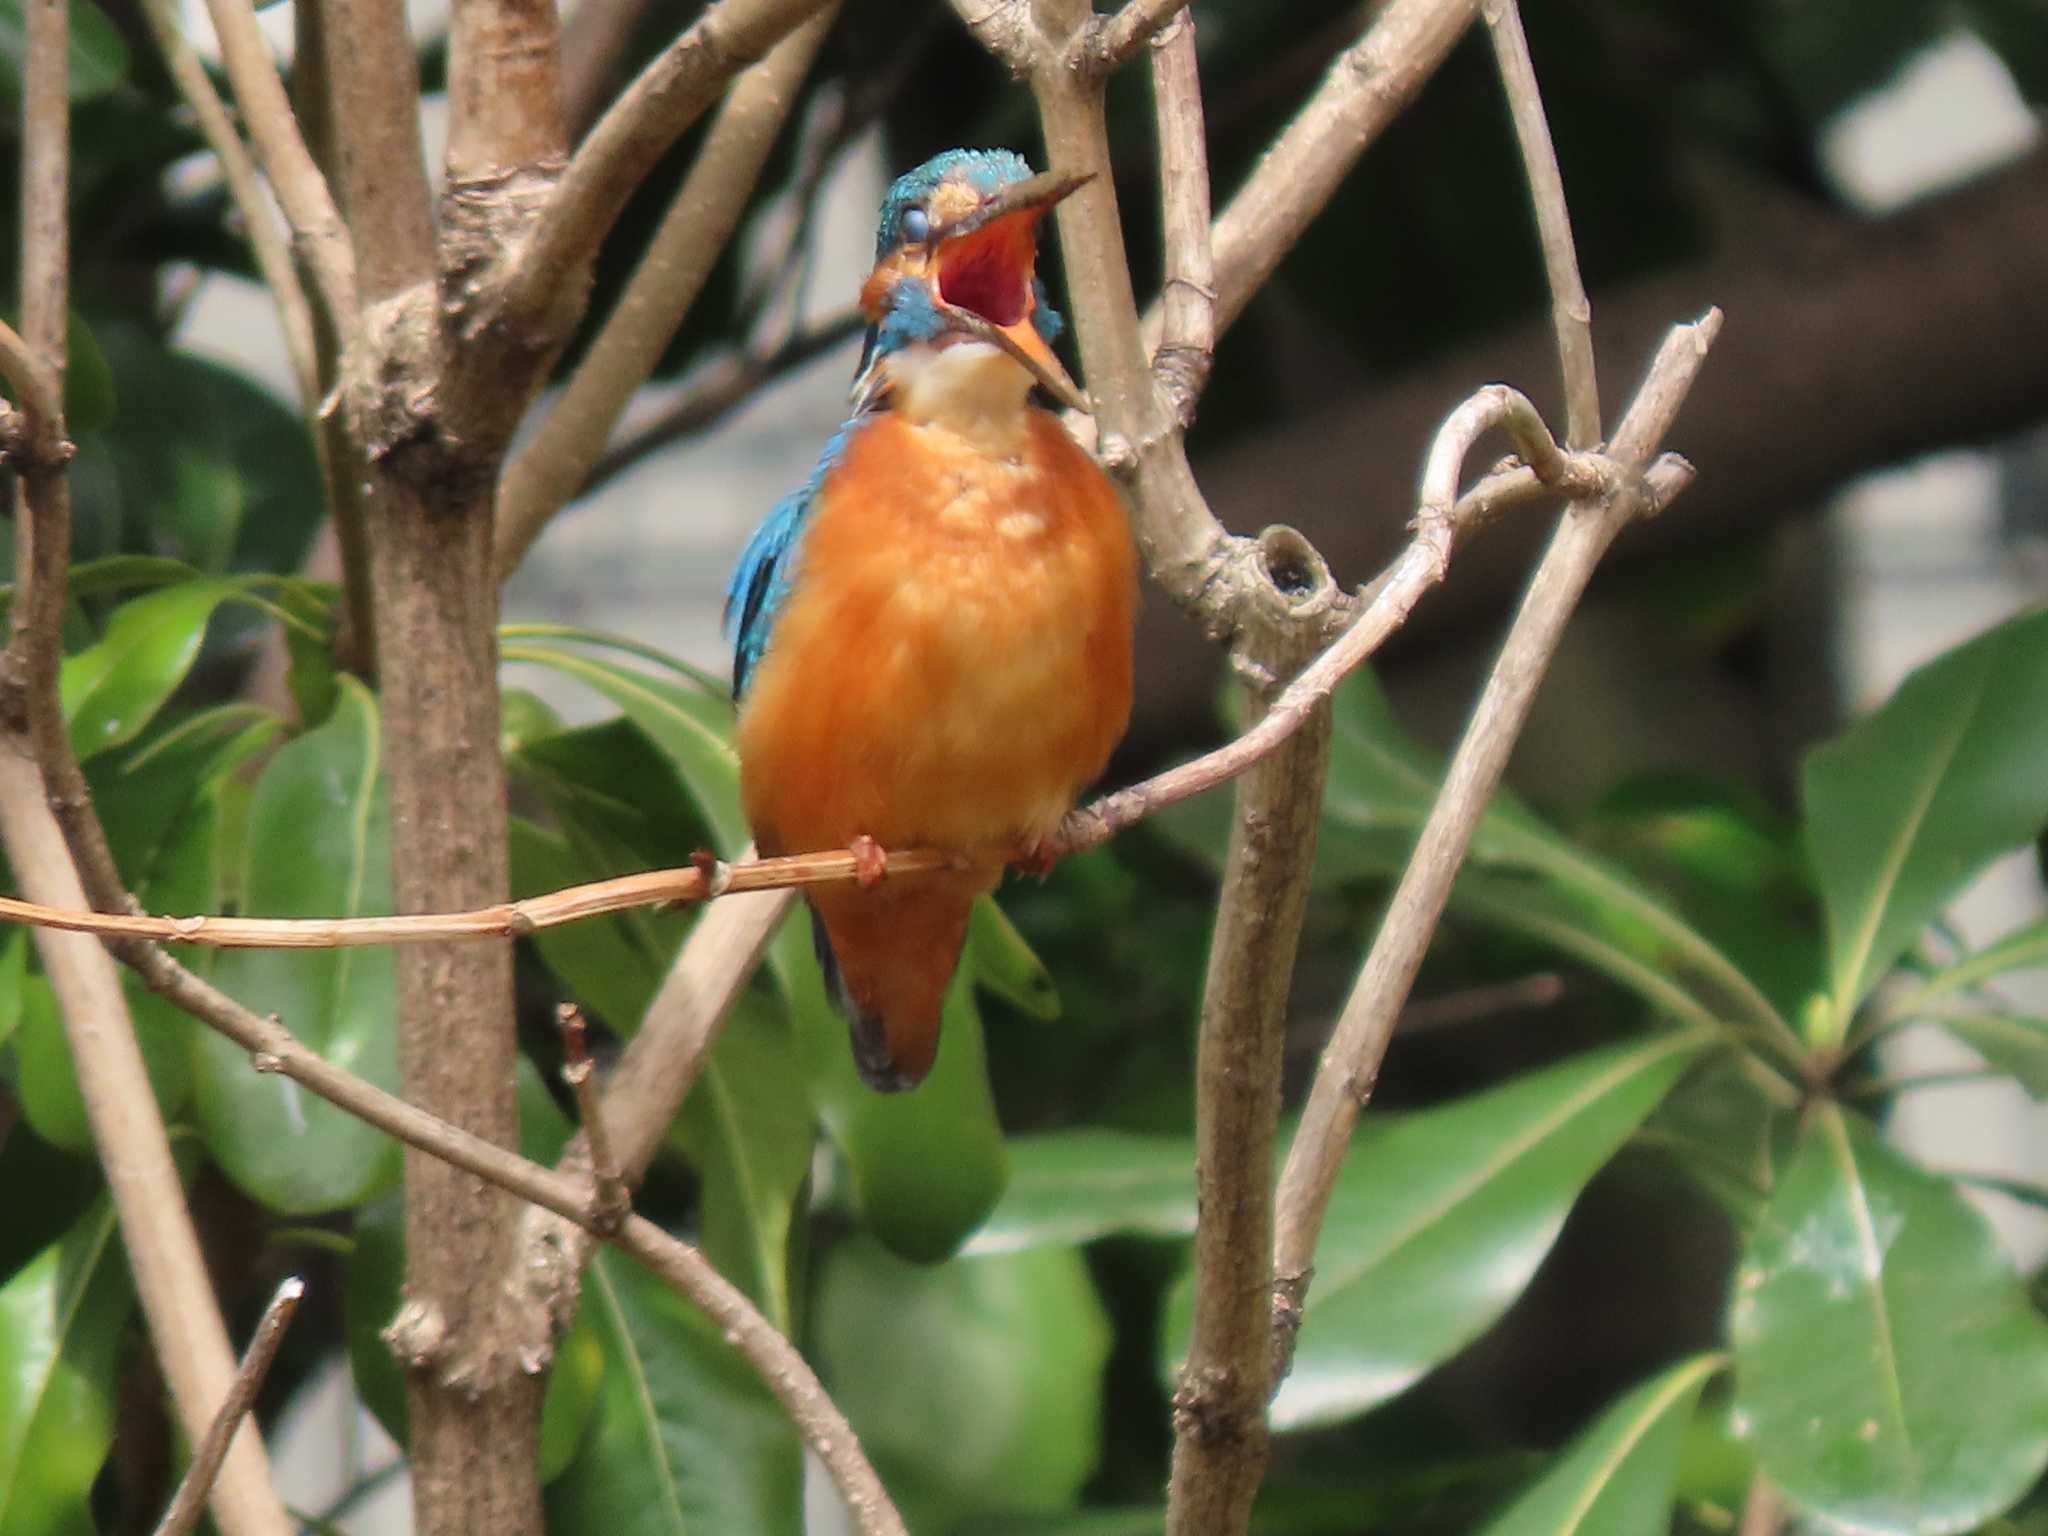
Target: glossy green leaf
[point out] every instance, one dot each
(61, 1321)
(924, 1167)
(114, 688)
(748, 1129)
(691, 727)
(975, 1386)
(1004, 965)
(13, 972)
(318, 844)
(47, 1192)
(50, 1097)
(685, 1440)
(1907, 804)
(1069, 1187)
(1381, 788)
(1890, 1373)
(1615, 1478)
(2015, 1043)
(1440, 1218)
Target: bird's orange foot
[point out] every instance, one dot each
(1037, 859)
(870, 861)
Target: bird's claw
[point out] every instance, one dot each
(870, 861)
(1037, 859)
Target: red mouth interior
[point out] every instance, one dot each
(989, 271)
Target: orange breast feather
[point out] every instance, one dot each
(953, 663)
(951, 668)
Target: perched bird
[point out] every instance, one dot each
(933, 635)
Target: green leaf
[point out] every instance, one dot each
(685, 1439)
(748, 1129)
(1439, 1219)
(1381, 788)
(1615, 1478)
(924, 1167)
(1907, 805)
(114, 688)
(1070, 1187)
(13, 973)
(50, 1097)
(47, 1192)
(61, 1322)
(88, 381)
(975, 1386)
(2015, 1043)
(692, 728)
(98, 56)
(1890, 1374)
(318, 844)
(1004, 965)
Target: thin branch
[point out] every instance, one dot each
(374, 86)
(193, 1488)
(184, 1319)
(37, 388)
(670, 95)
(653, 1077)
(544, 475)
(1351, 1061)
(1188, 297)
(1219, 1405)
(1186, 549)
(594, 39)
(1763, 1511)
(708, 397)
(302, 192)
(1109, 41)
(42, 793)
(1441, 514)
(504, 920)
(610, 1201)
(245, 184)
(505, 114)
(1366, 87)
(1571, 314)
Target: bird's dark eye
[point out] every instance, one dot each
(917, 224)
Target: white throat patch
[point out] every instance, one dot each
(968, 387)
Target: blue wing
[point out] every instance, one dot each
(761, 581)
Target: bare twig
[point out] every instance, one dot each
(1763, 1511)
(610, 1202)
(1110, 40)
(1351, 1061)
(594, 39)
(1188, 298)
(709, 396)
(1365, 88)
(1219, 1406)
(554, 465)
(43, 794)
(1391, 598)
(259, 219)
(193, 1488)
(302, 192)
(653, 1077)
(504, 94)
(1571, 314)
(37, 387)
(670, 94)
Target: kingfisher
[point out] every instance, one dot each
(933, 634)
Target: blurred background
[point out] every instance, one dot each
(1860, 184)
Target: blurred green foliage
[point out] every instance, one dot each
(990, 1271)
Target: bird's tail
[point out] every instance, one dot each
(888, 956)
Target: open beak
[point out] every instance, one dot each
(982, 270)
